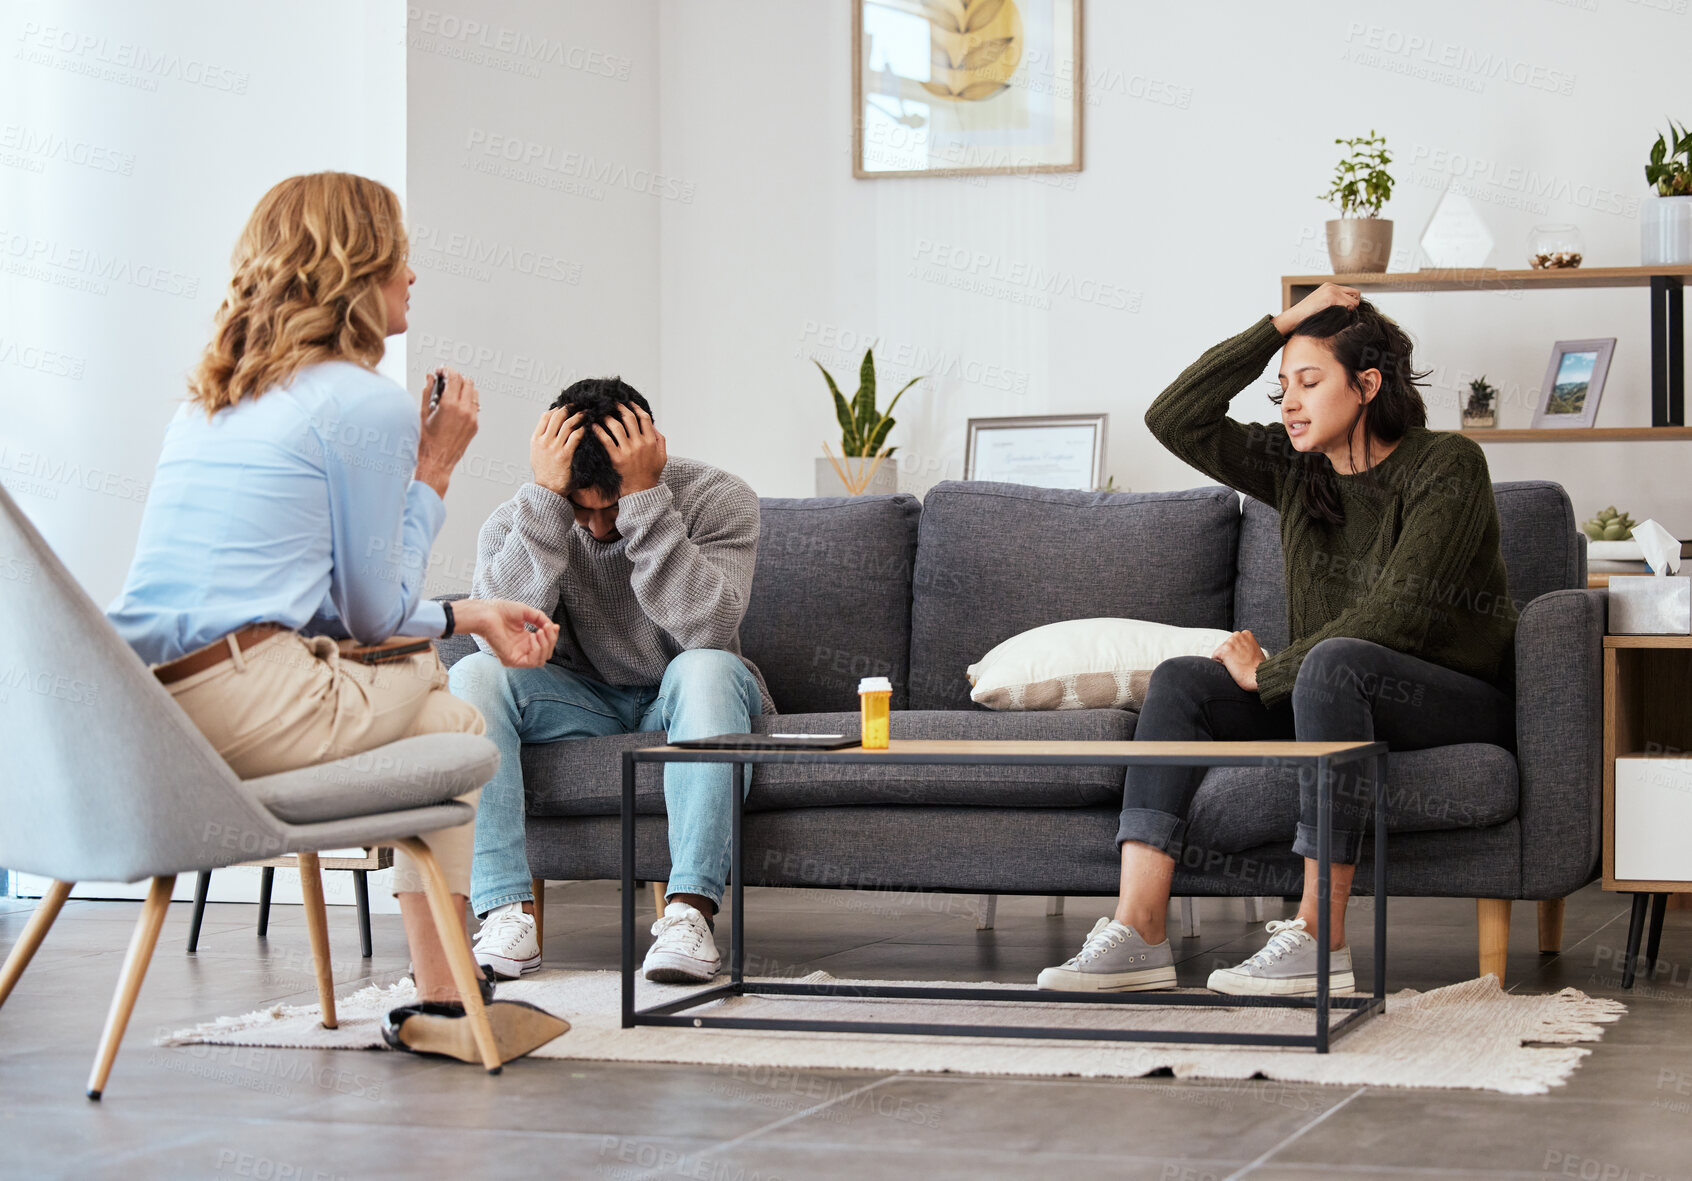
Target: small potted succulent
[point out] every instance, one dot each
(863, 435)
(1479, 410)
(1360, 240)
(1665, 219)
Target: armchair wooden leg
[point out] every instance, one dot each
(140, 954)
(449, 928)
(1550, 926)
(317, 927)
(659, 889)
(537, 887)
(1492, 916)
(33, 933)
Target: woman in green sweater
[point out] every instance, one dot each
(1400, 619)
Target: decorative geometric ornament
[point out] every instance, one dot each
(1455, 235)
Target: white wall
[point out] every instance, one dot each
(534, 195)
(1209, 136)
(134, 141)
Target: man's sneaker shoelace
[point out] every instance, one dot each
(694, 932)
(502, 930)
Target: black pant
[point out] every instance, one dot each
(1346, 690)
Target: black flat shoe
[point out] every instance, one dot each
(441, 1029)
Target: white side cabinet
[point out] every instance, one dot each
(1647, 838)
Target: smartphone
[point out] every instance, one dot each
(438, 390)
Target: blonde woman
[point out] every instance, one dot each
(294, 505)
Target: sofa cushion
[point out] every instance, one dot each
(583, 777)
(1543, 551)
(831, 598)
(1471, 785)
(994, 560)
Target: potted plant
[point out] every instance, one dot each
(863, 435)
(1360, 240)
(1665, 219)
(1479, 411)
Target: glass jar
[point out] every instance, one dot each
(1555, 247)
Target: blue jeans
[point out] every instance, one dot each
(704, 692)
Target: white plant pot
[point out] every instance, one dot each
(1665, 231)
(885, 482)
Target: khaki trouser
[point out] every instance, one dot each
(290, 702)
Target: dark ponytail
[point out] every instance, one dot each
(1362, 338)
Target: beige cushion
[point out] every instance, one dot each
(1083, 663)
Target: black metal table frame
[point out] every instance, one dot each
(1361, 1007)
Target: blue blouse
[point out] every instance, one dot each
(295, 507)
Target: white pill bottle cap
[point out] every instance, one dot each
(875, 685)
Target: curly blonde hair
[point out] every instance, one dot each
(307, 286)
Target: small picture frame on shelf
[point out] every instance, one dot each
(1042, 450)
(1574, 382)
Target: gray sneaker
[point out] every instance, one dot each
(1114, 959)
(1285, 967)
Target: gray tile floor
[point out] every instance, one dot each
(317, 1116)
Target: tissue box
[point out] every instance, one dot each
(1644, 605)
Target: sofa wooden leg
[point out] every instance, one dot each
(1492, 916)
(1550, 926)
(986, 911)
(1189, 919)
(1054, 905)
(537, 887)
(659, 890)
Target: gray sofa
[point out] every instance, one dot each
(847, 588)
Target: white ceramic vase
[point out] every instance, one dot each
(1665, 231)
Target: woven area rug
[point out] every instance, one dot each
(1472, 1035)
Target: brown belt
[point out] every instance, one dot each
(214, 653)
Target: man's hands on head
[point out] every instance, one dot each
(554, 446)
(1240, 654)
(637, 450)
(447, 429)
(505, 625)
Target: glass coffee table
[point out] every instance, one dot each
(1352, 1010)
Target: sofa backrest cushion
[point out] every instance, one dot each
(831, 599)
(995, 560)
(1543, 551)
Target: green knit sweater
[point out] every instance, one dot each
(1416, 565)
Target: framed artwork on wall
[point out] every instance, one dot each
(1044, 450)
(966, 87)
(1574, 381)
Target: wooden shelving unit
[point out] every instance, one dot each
(1597, 434)
(1668, 332)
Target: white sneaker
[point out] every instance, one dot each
(507, 946)
(1285, 967)
(684, 952)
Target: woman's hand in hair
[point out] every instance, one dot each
(506, 625)
(1325, 296)
(1240, 654)
(447, 429)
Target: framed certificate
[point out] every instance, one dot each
(1046, 451)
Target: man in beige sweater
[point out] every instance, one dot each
(645, 561)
